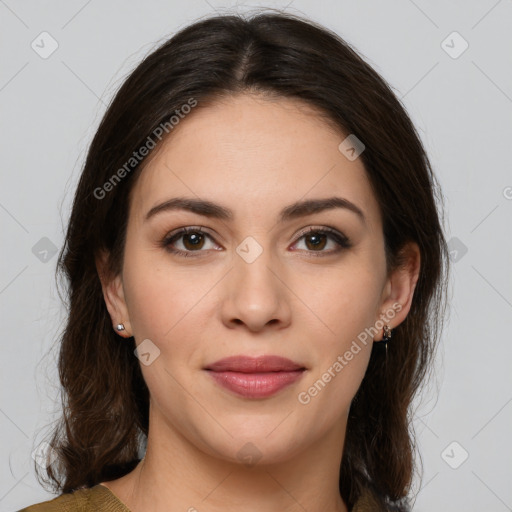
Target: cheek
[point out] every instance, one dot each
(167, 306)
(341, 355)
(157, 299)
(341, 301)
(161, 309)
(345, 304)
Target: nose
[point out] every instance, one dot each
(255, 294)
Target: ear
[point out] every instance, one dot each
(113, 293)
(399, 289)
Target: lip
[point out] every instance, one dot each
(261, 364)
(255, 377)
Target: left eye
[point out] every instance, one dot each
(193, 240)
(317, 239)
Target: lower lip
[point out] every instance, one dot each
(256, 385)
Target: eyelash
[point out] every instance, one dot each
(341, 240)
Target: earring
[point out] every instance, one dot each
(387, 333)
(386, 336)
(120, 327)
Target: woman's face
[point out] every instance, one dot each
(253, 282)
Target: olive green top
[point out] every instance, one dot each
(101, 499)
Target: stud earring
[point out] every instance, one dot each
(120, 327)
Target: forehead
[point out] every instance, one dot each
(255, 156)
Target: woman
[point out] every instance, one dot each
(257, 273)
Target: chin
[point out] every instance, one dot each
(248, 445)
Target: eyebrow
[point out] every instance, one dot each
(216, 211)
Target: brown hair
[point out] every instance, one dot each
(104, 424)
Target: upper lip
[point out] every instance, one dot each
(245, 364)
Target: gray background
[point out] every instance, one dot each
(462, 106)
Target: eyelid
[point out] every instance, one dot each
(341, 240)
(323, 229)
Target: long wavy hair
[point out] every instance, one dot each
(101, 432)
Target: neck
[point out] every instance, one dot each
(176, 475)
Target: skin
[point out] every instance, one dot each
(254, 156)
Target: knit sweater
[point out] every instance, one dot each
(101, 499)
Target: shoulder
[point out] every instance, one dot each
(69, 502)
(93, 499)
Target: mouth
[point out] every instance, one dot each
(255, 377)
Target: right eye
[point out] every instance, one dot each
(192, 240)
